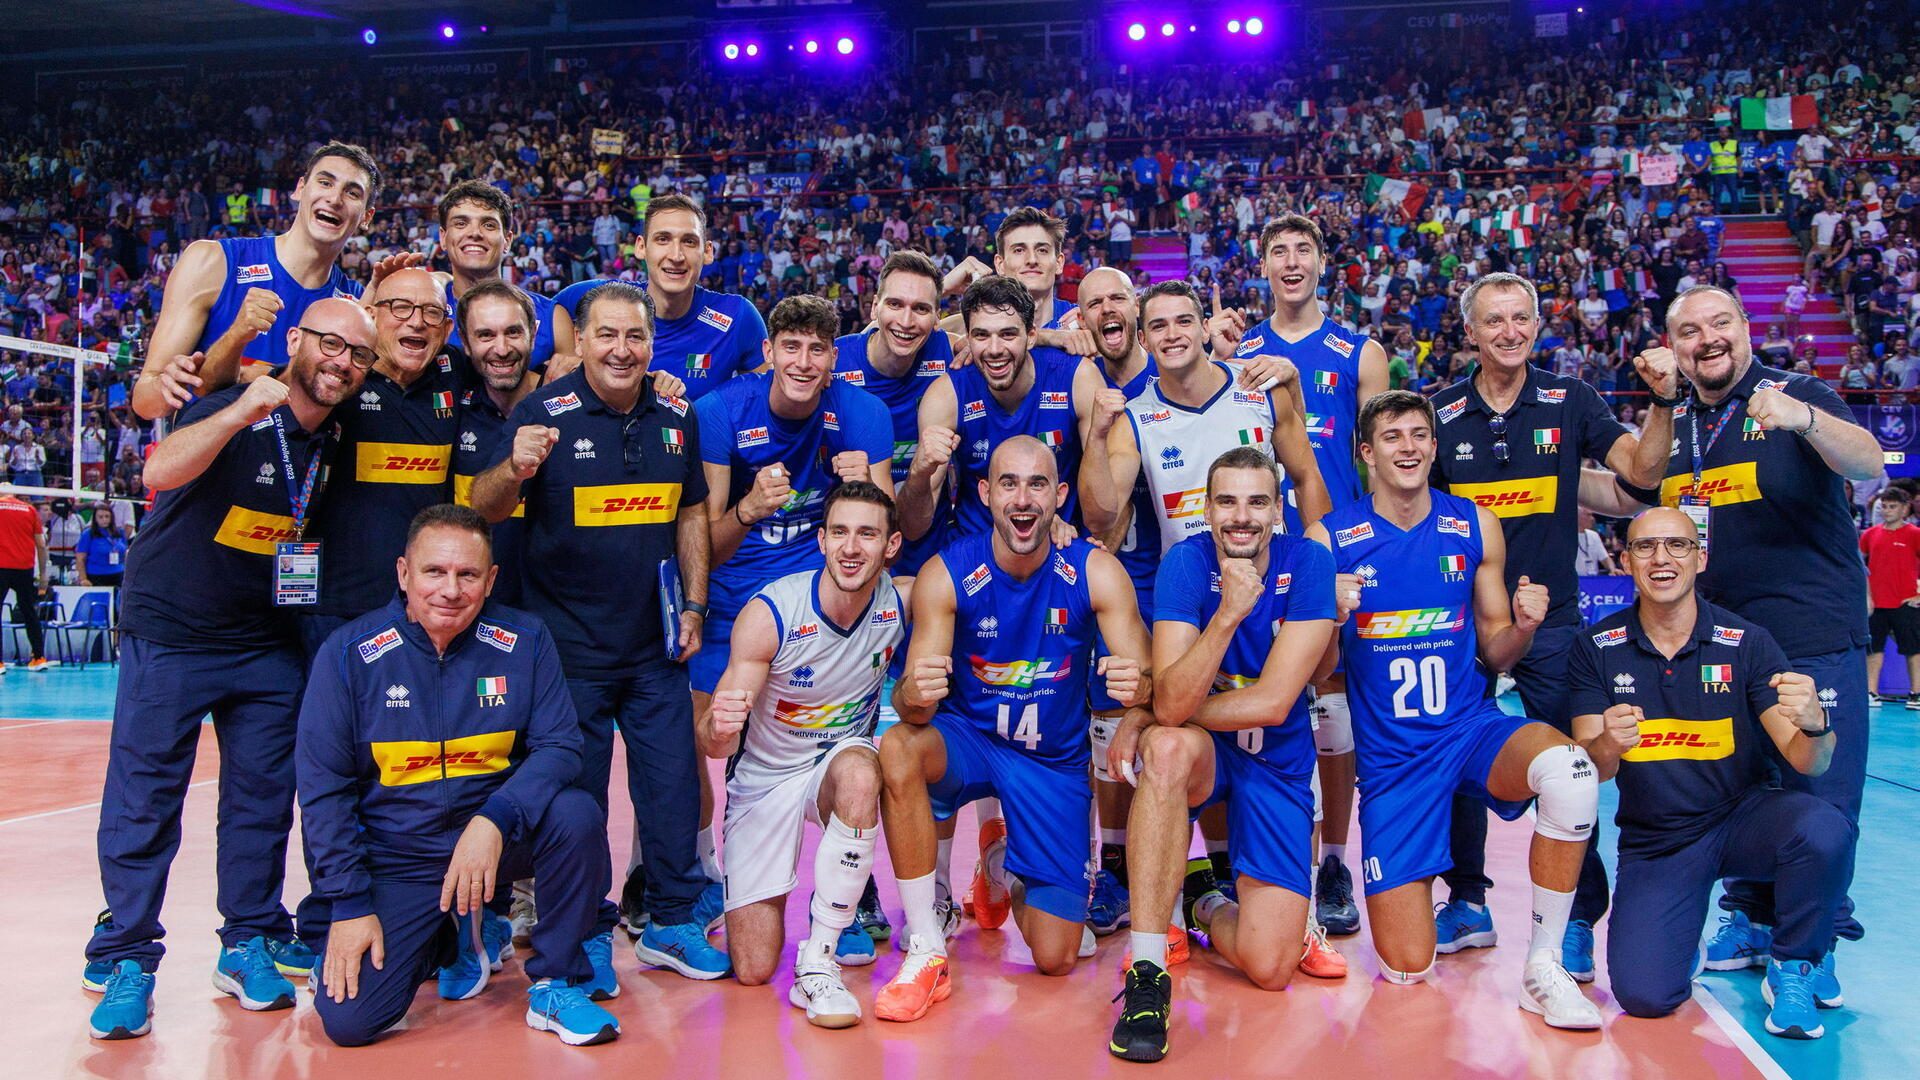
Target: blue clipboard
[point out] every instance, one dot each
(672, 602)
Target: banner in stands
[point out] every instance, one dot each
(1896, 427)
(1376, 22)
(73, 85)
(473, 64)
(1601, 595)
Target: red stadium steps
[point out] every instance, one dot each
(1762, 256)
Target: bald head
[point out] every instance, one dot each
(1023, 493)
(1661, 521)
(339, 315)
(1664, 557)
(1023, 455)
(1109, 313)
(411, 283)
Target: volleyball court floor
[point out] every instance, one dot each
(1003, 1017)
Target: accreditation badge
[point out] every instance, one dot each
(1698, 508)
(296, 574)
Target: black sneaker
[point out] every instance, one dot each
(1336, 910)
(633, 902)
(870, 916)
(1141, 1032)
(1198, 883)
(1913, 702)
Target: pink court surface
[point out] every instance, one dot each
(1002, 1015)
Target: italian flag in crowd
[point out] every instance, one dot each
(1333, 71)
(950, 159)
(1377, 252)
(1519, 238)
(1410, 194)
(1417, 122)
(1062, 144)
(452, 125)
(1253, 436)
(1304, 110)
(1779, 113)
(1525, 217)
(1190, 203)
(1606, 280)
(266, 197)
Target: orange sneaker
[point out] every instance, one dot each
(1178, 951)
(1320, 960)
(922, 980)
(988, 905)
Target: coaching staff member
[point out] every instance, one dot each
(611, 474)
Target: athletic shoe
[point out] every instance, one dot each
(1178, 951)
(870, 916)
(293, 957)
(247, 972)
(569, 1012)
(1335, 908)
(1738, 944)
(1576, 950)
(945, 911)
(1549, 992)
(633, 902)
(710, 908)
(467, 975)
(1108, 911)
(1088, 943)
(1319, 959)
(126, 1005)
(1141, 1032)
(987, 903)
(818, 989)
(1198, 882)
(1793, 1011)
(1826, 985)
(95, 975)
(605, 983)
(684, 948)
(41, 663)
(523, 914)
(1456, 926)
(496, 934)
(854, 948)
(922, 980)
(1913, 702)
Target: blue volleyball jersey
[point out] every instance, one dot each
(1410, 650)
(1299, 588)
(1140, 548)
(739, 430)
(1046, 413)
(252, 264)
(1329, 363)
(542, 328)
(902, 397)
(719, 337)
(1022, 650)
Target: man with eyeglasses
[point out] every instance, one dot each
(610, 470)
(1693, 755)
(203, 632)
(1511, 438)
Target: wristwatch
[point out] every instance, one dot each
(1667, 402)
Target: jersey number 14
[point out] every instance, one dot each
(1026, 732)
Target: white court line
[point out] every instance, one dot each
(38, 723)
(84, 806)
(1742, 1041)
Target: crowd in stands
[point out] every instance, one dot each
(1526, 156)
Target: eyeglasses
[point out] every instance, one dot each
(431, 314)
(333, 345)
(1678, 547)
(1498, 425)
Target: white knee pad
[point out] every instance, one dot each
(1102, 729)
(1319, 809)
(1569, 790)
(1332, 725)
(1406, 978)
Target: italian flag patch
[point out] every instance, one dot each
(1750, 426)
(1056, 616)
(1546, 436)
(674, 437)
(1453, 564)
(1711, 673)
(1054, 439)
(699, 361)
(1253, 436)
(1326, 380)
(492, 686)
(443, 400)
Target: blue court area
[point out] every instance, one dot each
(1872, 1038)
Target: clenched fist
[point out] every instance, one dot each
(1775, 410)
(1658, 369)
(1240, 587)
(261, 397)
(531, 444)
(179, 379)
(730, 709)
(772, 487)
(969, 270)
(926, 681)
(257, 313)
(1108, 404)
(1529, 605)
(937, 445)
(1124, 683)
(1622, 730)
(1268, 373)
(1800, 699)
(851, 465)
(1346, 595)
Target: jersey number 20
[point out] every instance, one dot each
(1026, 732)
(1427, 677)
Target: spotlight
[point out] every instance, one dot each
(1233, 26)
(1166, 29)
(369, 37)
(812, 47)
(1136, 32)
(731, 51)
(446, 31)
(1254, 26)
(1192, 29)
(844, 46)
(752, 49)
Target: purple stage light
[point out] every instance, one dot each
(446, 31)
(1166, 29)
(731, 51)
(369, 37)
(844, 46)
(812, 47)
(1136, 32)
(1254, 26)
(753, 49)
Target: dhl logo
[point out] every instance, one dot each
(250, 530)
(463, 494)
(1223, 682)
(1721, 486)
(625, 504)
(1415, 622)
(401, 463)
(1020, 674)
(406, 763)
(1180, 504)
(1683, 740)
(1514, 498)
(818, 717)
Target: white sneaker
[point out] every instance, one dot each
(945, 910)
(1549, 992)
(818, 989)
(1088, 944)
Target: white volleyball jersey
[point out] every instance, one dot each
(1178, 444)
(825, 681)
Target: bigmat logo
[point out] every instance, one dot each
(250, 530)
(401, 463)
(405, 763)
(1514, 498)
(625, 504)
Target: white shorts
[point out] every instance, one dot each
(766, 820)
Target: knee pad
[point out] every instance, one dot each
(1319, 807)
(1569, 790)
(1406, 978)
(1332, 725)
(1101, 728)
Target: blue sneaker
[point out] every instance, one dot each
(247, 972)
(1788, 990)
(710, 910)
(293, 957)
(1459, 925)
(605, 983)
(854, 949)
(684, 948)
(1739, 944)
(1109, 910)
(870, 916)
(467, 975)
(94, 977)
(1337, 912)
(496, 934)
(1826, 985)
(126, 1009)
(1576, 950)
(569, 1012)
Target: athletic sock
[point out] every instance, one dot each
(1550, 912)
(987, 809)
(1338, 851)
(1149, 947)
(1221, 859)
(943, 867)
(709, 859)
(1204, 907)
(916, 896)
(840, 869)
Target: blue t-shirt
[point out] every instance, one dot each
(717, 338)
(252, 264)
(1046, 413)
(902, 397)
(106, 552)
(1329, 363)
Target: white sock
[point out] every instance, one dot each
(709, 860)
(916, 896)
(1338, 851)
(1149, 947)
(1116, 837)
(1179, 913)
(1550, 912)
(986, 810)
(1214, 847)
(1204, 907)
(840, 868)
(943, 867)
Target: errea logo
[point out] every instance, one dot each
(1369, 575)
(369, 401)
(469, 441)
(987, 627)
(802, 676)
(582, 448)
(1170, 458)
(397, 697)
(266, 473)
(1623, 683)
(1829, 697)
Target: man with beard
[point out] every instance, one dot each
(202, 634)
(476, 220)
(497, 322)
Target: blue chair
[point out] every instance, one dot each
(90, 616)
(52, 618)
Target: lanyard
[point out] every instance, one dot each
(299, 495)
(1713, 435)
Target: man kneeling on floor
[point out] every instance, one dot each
(420, 797)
